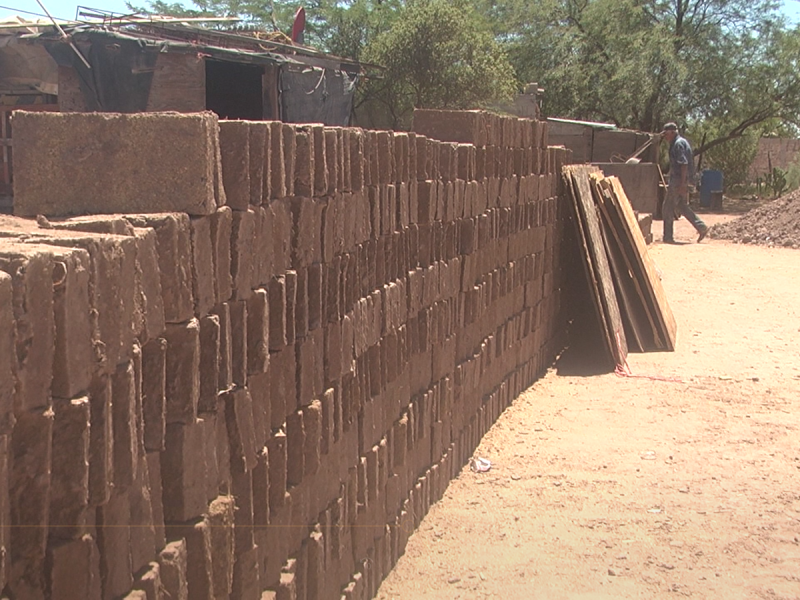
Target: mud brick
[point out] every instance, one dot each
(422, 157)
(257, 332)
(246, 582)
(223, 313)
(182, 371)
(400, 151)
(277, 450)
(221, 231)
(261, 516)
(197, 535)
(75, 570)
(289, 154)
(291, 298)
(113, 542)
(301, 305)
(295, 448)
(242, 259)
(32, 300)
(257, 139)
(101, 440)
(356, 158)
(331, 159)
(238, 312)
(307, 231)
(143, 538)
(173, 562)
(73, 358)
(219, 437)
(243, 512)
(319, 173)
(126, 450)
(304, 162)
(333, 290)
(260, 387)
(328, 229)
(345, 182)
(263, 263)
(427, 201)
(241, 434)
(69, 490)
(306, 370)
(156, 501)
(277, 161)
(283, 368)
(5, 509)
(277, 313)
(468, 127)
(209, 371)
(282, 226)
(332, 352)
(312, 422)
(315, 565)
(234, 143)
(7, 355)
(182, 473)
(385, 158)
(220, 523)
(173, 236)
(315, 296)
(203, 285)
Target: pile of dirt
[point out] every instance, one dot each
(774, 223)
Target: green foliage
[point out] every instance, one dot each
(733, 158)
(793, 175)
(438, 54)
(776, 181)
(729, 69)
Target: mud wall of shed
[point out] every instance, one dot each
(264, 399)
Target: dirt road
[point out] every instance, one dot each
(609, 487)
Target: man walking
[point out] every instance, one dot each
(681, 171)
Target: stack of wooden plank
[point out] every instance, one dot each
(625, 286)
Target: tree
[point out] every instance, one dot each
(729, 64)
(438, 54)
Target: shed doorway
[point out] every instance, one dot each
(234, 90)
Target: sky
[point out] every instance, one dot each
(65, 9)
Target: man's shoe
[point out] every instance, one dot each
(703, 234)
(668, 241)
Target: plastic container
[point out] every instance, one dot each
(711, 180)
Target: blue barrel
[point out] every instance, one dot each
(710, 181)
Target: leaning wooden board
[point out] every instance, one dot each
(642, 259)
(589, 268)
(599, 260)
(640, 312)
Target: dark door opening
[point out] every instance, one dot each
(233, 90)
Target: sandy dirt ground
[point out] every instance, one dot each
(681, 482)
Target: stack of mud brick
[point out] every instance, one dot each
(259, 355)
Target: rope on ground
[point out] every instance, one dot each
(624, 370)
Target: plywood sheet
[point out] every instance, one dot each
(599, 260)
(588, 266)
(643, 261)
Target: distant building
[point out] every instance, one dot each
(773, 152)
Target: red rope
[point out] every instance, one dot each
(624, 370)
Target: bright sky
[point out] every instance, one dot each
(65, 9)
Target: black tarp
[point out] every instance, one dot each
(316, 95)
(121, 73)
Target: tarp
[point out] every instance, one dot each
(316, 95)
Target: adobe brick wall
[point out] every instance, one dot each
(264, 401)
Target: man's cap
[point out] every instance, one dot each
(670, 127)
